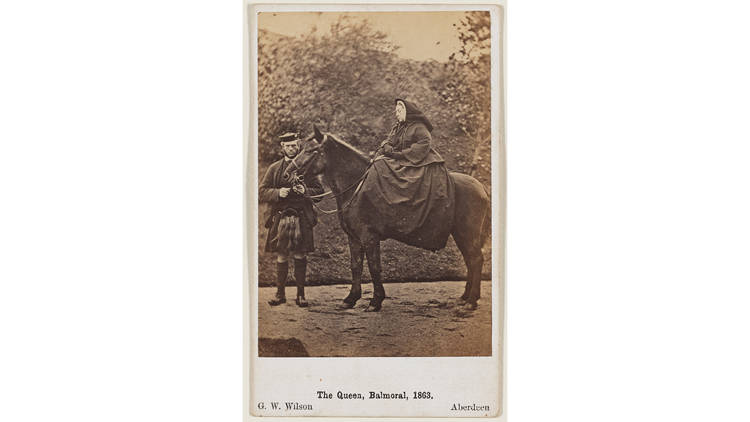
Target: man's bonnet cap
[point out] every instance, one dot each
(289, 137)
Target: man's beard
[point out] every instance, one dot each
(290, 155)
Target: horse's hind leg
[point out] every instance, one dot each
(472, 253)
(469, 277)
(372, 249)
(356, 254)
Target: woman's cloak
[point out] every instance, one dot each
(409, 196)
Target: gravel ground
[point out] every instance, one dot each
(417, 319)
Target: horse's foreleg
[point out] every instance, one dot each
(373, 264)
(356, 254)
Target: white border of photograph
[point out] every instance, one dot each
(463, 380)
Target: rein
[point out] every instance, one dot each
(324, 194)
(357, 183)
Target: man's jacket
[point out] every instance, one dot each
(268, 192)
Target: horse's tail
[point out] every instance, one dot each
(486, 229)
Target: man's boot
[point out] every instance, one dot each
(300, 271)
(282, 270)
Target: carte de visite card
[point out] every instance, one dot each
(375, 210)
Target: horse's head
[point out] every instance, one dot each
(310, 160)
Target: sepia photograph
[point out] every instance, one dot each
(374, 210)
(370, 173)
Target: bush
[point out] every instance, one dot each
(346, 81)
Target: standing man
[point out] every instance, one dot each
(289, 218)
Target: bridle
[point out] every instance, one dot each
(297, 168)
(297, 177)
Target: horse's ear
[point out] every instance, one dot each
(318, 133)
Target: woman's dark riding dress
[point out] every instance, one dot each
(408, 195)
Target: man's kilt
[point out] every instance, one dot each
(306, 244)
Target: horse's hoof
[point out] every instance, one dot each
(301, 302)
(471, 306)
(276, 301)
(375, 305)
(352, 298)
(347, 305)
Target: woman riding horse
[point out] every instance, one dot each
(406, 195)
(409, 184)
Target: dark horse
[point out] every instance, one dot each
(343, 166)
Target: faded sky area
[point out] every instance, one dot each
(420, 35)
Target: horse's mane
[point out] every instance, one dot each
(361, 155)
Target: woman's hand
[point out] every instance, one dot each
(387, 150)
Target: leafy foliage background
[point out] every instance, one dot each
(346, 81)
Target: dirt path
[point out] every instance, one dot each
(417, 319)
